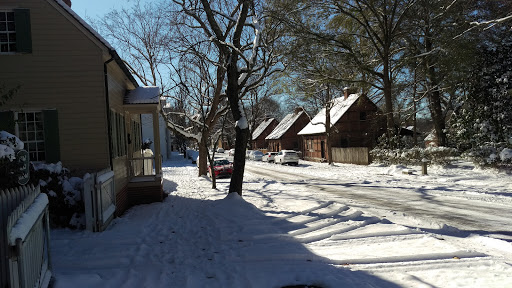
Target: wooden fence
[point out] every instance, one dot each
(99, 200)
(25, 238)
(352, 155)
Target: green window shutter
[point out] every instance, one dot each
(51, 136)
(7, 122)
(23, 30)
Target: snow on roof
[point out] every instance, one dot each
(85, 24)
(143, 95)
(340, 106)
(431, 136)
(257, 132)
(284, 125)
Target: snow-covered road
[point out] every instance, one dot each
(455, 205)
(278, 235)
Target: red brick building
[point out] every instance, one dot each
(261, 132)
(356, 122)
(284, 136)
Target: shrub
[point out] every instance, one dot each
(64, 192)
(414, 156)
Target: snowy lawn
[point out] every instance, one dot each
(282, 235)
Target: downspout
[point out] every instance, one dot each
(107, 105)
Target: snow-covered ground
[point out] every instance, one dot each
(284, 233)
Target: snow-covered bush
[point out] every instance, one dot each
(491, 154)
(414, 156)
(9, 167)
(481, 125)
(64, 194)
(146, 144)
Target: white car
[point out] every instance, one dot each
(256, 155)
(220, 150)
(231, 152)
(247, 153)
(287, 157)
(269, 157)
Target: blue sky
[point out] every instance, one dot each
(97, 8)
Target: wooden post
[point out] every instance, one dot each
(424, 163)
(156, 135)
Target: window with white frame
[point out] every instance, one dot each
(31, 132)
(7, 32)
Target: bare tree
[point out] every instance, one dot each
(141, 34)
(243, 50)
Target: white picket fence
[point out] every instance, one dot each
(99, 200)
(25, 249)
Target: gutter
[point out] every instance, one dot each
(107, 105)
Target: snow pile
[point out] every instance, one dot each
(8, 144)
(506, 155)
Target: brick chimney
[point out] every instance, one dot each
(67, 2)
(346, 92)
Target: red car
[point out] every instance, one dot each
(221, 168)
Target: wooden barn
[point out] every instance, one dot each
(284, 136)
(356, 122)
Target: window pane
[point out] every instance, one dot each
(33, 156)
(39, 135)
(2, 16)
(12, 47)
(21, 117)
(31, 126)
(32, 146)
(21, 127)
(4, 48)
(10, 26)
(3, 26)
(10, 16)
(38, 116)
(30, 116)
(3, 37)
(40, 146)
(23, 136)
(12, 37)
(31, 136)
(39, 125)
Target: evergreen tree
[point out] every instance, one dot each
(484, 116)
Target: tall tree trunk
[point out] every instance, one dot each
(434, 98)
(203, 155)
(242, 132)
(388, 98)
(328, 130)
(237, 179)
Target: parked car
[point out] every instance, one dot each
(247, 153)
(221, 167)
(269, 157)
(220, 150)
(256, 155)
(231, 152)
(287, 157)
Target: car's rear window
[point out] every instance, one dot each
(290, 153)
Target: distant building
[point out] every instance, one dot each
(284, 136)
(261, 132)
(355, 121)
